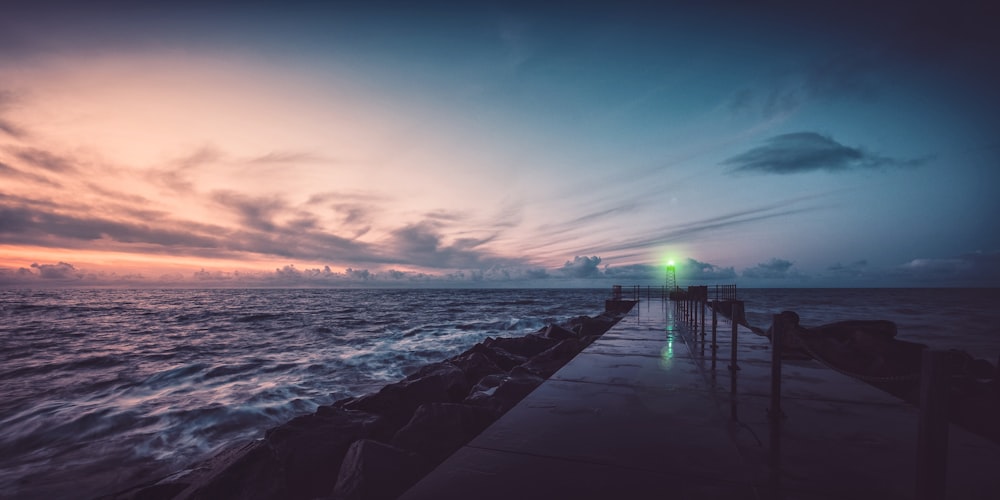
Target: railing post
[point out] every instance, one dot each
(932, 429)
(694, 309)
(701, 305)
(715, 326)
(777, 337)
(732, 363)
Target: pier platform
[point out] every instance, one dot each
(650, 410)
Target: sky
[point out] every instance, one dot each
(498, 144)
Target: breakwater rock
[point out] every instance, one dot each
(868, 350)
(377, 445)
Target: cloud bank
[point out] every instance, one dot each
(976, 269)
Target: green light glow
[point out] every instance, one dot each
(667, 354)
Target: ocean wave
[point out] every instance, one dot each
(149, 380)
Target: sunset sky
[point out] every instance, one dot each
(498, 144)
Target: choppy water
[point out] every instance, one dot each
(101, 388)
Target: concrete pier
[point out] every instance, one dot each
(647, 412)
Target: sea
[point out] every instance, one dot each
(102, 389)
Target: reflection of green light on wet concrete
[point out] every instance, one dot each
(667, 354)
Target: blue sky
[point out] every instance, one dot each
(498, 144)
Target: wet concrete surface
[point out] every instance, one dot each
(647, 411)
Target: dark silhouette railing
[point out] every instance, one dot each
(932, 448)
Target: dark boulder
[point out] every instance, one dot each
(575, 323)
(377, 471)
(438, 429)
(501, 393)
(489, 382)
(557, 332)
(526, 346)
(475, 365)
(550, 361)
(505, 360)
(246, 471)
(435, 383)
(311, 448)
(515, 387)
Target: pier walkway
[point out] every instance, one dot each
(647, 411)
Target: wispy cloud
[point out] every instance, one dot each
(423, 244)
(842, 76)
(33, 225)
(8, 127)
(284, 157)
(176, 174)
(255, 212)
(845, 75)
(265, 226)
(690, 231)
(11, 172)
(809, 152)
(588, 218)
(44, 159)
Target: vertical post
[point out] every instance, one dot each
(694, 315)
(701, 305)
(777, 337)
(732, 385)
(703, 332)
(715, 327)
(732, 363)
(932, 429)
